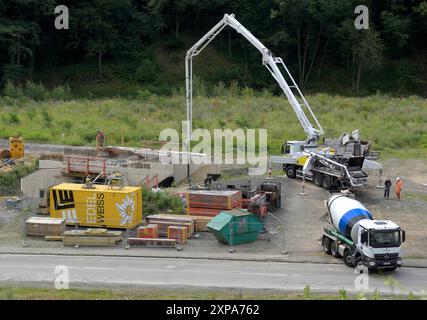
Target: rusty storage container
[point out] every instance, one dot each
(178, 233)
(16, 147)
(99, 206)
(4, 154)
(44, 226)
(149, 231)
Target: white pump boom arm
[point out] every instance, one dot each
(271, 62)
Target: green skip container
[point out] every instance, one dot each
(235, 227)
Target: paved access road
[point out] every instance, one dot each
(128, 271)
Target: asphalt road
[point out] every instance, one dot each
(127, 271)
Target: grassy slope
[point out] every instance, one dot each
(28, 293)
(396, 125)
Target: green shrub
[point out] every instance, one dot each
(307, 293)
(10, 182)
(143, 94)
(12, 91)
(376, 295)
(60, 93)
(13, 72)
(13, 118)
(220, 90)
(147, 71)
(156, 202)
(67, 125)
(342, 294)
(36, 91)
(47, 119)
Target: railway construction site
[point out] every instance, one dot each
(289, 232)
(314, 215)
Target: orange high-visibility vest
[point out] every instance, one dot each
(399, 185)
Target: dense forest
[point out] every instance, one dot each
(125, 44)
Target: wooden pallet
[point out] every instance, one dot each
(91, 237)
(90, 241)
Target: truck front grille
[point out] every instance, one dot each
(386, 256)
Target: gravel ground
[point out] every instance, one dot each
(301, 215)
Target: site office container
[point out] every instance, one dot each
(99, 206)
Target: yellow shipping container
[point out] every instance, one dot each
(97, 207)
(16, 147)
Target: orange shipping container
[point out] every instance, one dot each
(178, 233)
(149, 231)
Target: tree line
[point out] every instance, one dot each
(312, 36)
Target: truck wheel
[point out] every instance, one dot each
(334, 249)
(291, 172)
(326, 245)
(348, 258)
(328, 182)
(317, 179)
(358, 262)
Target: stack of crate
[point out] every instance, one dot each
(44, 226)
(176, 228)
(150, 231)
(91, 237)
(178, 233)
(209, 203)
(163, 221)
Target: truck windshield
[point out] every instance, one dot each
(387, 238)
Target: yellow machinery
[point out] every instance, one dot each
(16, 147)
(98, 206)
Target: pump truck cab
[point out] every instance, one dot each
(354, 235)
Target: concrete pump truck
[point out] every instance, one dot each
(333, 164)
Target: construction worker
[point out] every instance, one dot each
(398, 187)
(100, 138)
(387, 187)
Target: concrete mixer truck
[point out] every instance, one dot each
(354, 235)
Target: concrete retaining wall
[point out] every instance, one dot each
(50, 175)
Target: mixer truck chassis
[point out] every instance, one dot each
(338, 246)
